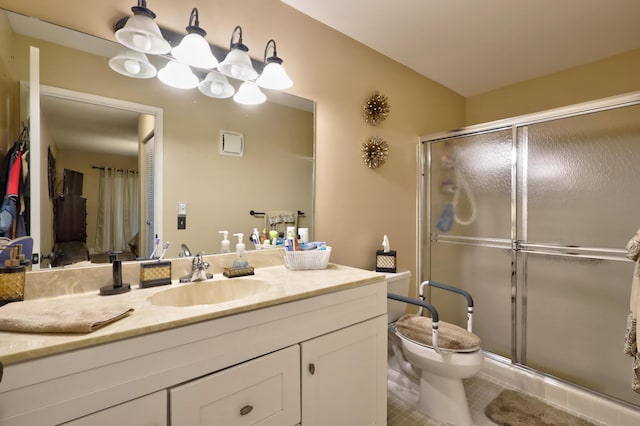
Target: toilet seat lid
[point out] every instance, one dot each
(452, 338)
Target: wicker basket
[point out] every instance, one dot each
(312, 259)
(12, 284)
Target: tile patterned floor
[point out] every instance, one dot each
(479, 393)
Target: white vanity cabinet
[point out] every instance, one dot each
(344, 376)
(264, 391)
(319, 360)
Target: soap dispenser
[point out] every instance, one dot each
(240, 248)
(225, 246)
(240, 265)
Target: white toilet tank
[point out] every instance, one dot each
(397, 283)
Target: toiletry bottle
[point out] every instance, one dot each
(273, 236)
(263, 236)
(225, 246)
(255, 237)
(240, 247)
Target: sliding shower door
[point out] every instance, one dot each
(532, 217)
(471, 230)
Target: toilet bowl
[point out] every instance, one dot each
(427, 378)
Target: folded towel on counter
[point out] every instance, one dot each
(47, 316)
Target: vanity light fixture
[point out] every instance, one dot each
(273, 76)
(216, 85)
(237, 63)
(141, 34)
(249, 94)
(194, 50)
(178, 75)
(132, 64)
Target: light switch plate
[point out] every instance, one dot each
(182, 208)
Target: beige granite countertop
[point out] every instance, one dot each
(284, 286)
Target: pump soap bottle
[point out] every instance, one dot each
(240, 265)
(225, 245)
(240, 249)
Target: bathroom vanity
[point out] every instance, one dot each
(310, 350)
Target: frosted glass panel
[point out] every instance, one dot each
(583, 175)
(576, 319)
(486, 274)
(478, 169)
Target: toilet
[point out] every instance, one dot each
(429, 381)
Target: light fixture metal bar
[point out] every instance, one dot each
(174, 39)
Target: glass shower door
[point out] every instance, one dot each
(470, 184)
(577, 208)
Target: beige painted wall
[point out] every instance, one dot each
(6, 87)
(608, 77)
(355, 206)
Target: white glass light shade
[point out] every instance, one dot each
(195, 51)
(274, 77)
(132, 64)
(249, 94)
(178, 75)
(237, 64)
(216, 85)
(141, 34)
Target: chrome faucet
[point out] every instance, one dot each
(184, 252)
(198, 270)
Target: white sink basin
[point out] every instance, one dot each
(209, 292)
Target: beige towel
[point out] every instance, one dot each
(632, 333)
(54, 316)
(280, 217)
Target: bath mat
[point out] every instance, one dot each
(512, 408)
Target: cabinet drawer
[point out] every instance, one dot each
(264, 391)
(150, 410)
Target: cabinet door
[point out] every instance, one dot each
(344, 376)
(264, 391)
(150, 410)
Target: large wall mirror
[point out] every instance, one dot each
(94, 119)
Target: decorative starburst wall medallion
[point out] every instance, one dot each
(375, 152)
(376, 110)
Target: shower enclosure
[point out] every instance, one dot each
(532, 215)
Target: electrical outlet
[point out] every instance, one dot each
(182, 222)
(182, 208)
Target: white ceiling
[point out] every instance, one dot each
(80, 126)
(474, 46)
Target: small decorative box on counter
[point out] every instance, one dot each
(312, 259)
(12, 276)
(156, 273)
(12, 284)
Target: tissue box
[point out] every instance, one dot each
(12, 284)
(153, 274)
(386, 261)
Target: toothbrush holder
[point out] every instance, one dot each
(153, 274)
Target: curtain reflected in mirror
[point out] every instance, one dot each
(117, 228)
